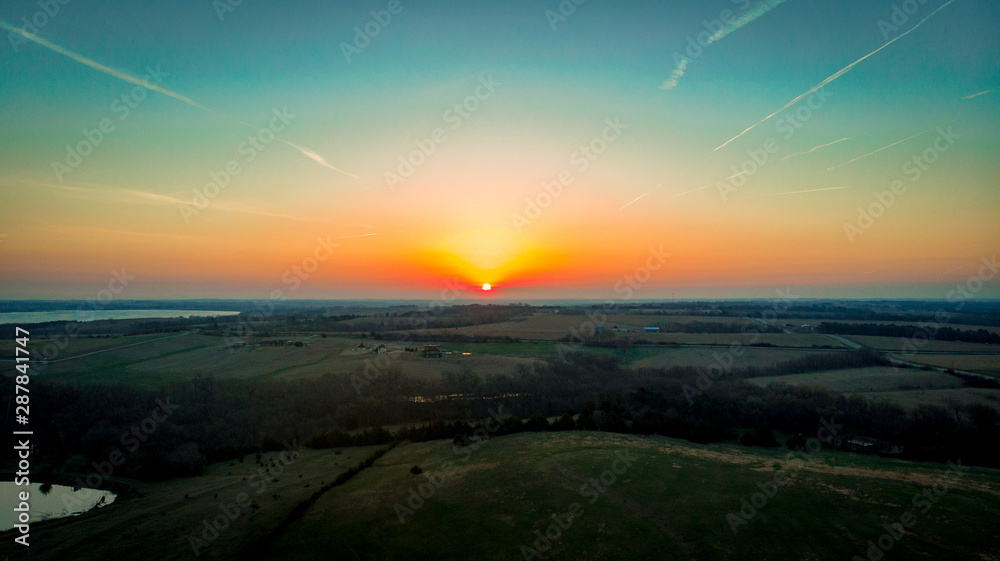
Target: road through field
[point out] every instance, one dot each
(113, 348)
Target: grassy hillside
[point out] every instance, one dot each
(670, 503)
(157, 521)
(615, 496)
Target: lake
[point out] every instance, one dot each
(22, 318)
(61, 501)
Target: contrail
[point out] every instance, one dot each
(139, 82)
(977, 95)
(637, 198)
(806, 191)
(316, 157)
(746, 18)
(815, 148)
(836, 75)
(711, 184)
(694, 190)
(110, 194)
(676, 75)
(98, 66)
(885, 147)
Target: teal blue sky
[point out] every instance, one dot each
(560, 79)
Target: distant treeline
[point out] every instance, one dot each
(106, 327)
(910, 331)
(440, 317)
(216, 420)
(968, 312)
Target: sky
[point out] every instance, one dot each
(376, 149)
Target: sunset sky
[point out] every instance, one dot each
(628, 79)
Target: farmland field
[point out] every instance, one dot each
(900, 345)
(157, 520)
(796, 322)
(556, 326)
(984, 364)
(164, 359)
(703, 356)
(668, 498)
(69, 347)
(876, 379)
(910, 399)
(670, 502)
(495, 497)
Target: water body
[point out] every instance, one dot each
(60, 502)
(22, 318)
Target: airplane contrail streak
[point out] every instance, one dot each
(815, 148)
(745, 19)
(316, 157)
(863, 156)
(806, 191)
(98, 66)
(757, 12)
(145, 84)
(833, 77)
(637, 198)
(711, 184)
(977, 95)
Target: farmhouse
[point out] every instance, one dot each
(431, 351)
(381, 349)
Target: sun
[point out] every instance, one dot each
(487, 287)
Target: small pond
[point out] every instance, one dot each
(60, 501)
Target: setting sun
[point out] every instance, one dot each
(487, 287)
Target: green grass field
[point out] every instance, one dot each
(671, 503)
(704, 356)
(550, 327)
(660, 498)
(984, 364)
(669, 500)
(874, 379)
(907, 387)
(158, 360)
(158, 521)
(910, 399)
(902, 345)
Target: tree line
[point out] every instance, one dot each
(932, 331)
(217, 420)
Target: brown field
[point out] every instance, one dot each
(875, 379)
(910, 399)
(908, 387)
(816, 321)
(554, 326)
(73, 346)
(162, 520)
(702, 356)
(195, 354)
(806, 340)
(899, 344)
(984, 364)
